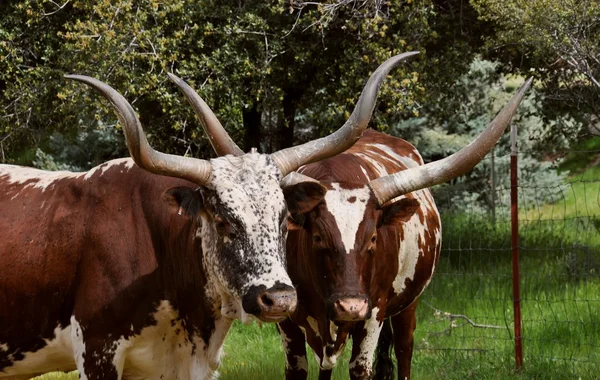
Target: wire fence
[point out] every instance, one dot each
(468, 307)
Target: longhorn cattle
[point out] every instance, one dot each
(137, 268)
(362, 256)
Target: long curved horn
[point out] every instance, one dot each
(433, 173)
(290, 159)
(192, 169)
(217, 135)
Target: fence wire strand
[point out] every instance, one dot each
(467, 308)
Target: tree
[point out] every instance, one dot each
(558, 41)
(268, 70)
(489, 91)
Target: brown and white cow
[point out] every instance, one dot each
(137, 270)
(362, 256)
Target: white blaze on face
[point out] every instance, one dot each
(348, 209)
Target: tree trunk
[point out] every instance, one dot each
(287, 123)
(252, 128)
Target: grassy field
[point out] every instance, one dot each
(560, 292)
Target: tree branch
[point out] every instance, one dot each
(59, 7)
(453, 317)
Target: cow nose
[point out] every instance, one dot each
(351, 309)
(270, 305)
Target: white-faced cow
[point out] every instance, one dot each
(362, 256)
(137, 271)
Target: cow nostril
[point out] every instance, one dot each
(266, 300)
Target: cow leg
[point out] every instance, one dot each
(384, 365)
(364, 342)
(404, 325)
(325, 374)
(294, 345)
(97, 358)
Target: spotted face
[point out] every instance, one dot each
(243, 234)
(342, 238)
(243, 229)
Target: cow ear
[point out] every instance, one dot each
(399, 212)
(185, 200)
(304, 196)
(295, 221)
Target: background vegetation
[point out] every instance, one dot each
(281, 72)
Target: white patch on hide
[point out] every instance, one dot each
(409, 252)
(314, 325)
(415, 232)
(348, 215)
(333, 331)
(126, 162)
(36, 179)
(285, 341)
(329, 361)
(395, 157)
(44, 180)
(369, 343)
(367, 156)
(57, 355)
(300, 361)
(78, 345)
(166, 351)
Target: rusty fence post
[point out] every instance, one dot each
(514, 211)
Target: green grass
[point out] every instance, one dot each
(560, 293)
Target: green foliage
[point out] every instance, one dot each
(88, 148)
(481, 93)
(558, 41)
(296, 65)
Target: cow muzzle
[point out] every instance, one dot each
(351, 309)
(270, 305)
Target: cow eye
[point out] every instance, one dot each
(317, 238)
(221, 227)
(224, 228)
(374, 239)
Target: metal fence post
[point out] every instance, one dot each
(514, 203)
